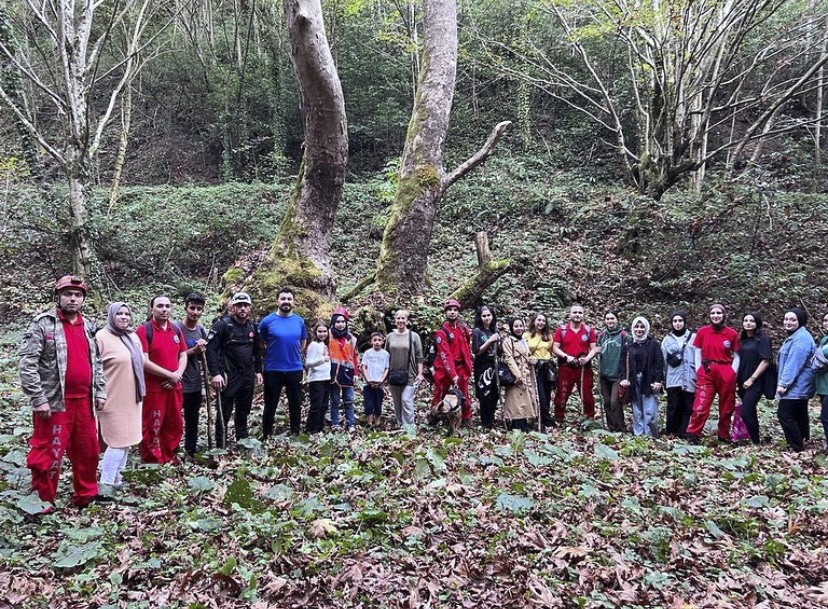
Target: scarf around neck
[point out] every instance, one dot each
(134, 352)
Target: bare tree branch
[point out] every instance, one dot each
(478, 157)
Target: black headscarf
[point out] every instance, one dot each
(684, 316)
(801, 316)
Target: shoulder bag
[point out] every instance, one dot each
(399, 378)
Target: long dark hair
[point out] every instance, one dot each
(546, 334)
(511, 322)
(758, 318)
(478, 319)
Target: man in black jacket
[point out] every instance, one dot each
(234, 358)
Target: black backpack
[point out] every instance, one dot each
(430, 355)
(431, 346)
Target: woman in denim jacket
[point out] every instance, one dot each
(796, 379)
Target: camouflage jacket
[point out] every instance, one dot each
(43, 358)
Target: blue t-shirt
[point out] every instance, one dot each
(282, 337)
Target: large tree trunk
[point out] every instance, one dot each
(404, 252)
(300, 257)
(403, 260)
(80, 242)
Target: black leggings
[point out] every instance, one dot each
(486, 392)
(750, 400)
(679, 411)
(545, 387)
(793, 416)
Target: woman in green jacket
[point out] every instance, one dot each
(821, 377)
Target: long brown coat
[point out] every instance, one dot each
(120, 419)
(521, 400)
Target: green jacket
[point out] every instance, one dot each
(43, 357)
(821, 377)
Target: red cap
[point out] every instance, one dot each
(452, 302)
(342, 311)
(71, 281)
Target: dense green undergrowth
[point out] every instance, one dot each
(574, 519)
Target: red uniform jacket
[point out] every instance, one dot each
(453, 351)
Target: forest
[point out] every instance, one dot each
(639, 155)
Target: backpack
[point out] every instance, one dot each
(587, 331)
(624, 335)
(818, 360)
(176, 324)
(431, 344)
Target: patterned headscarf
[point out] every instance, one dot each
(134, 352)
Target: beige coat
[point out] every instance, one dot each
(521, 400)
(120, 419)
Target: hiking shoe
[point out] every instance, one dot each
(693, 439)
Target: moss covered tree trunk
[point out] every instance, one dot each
(300, 257)
(404, 253)
(402, 265)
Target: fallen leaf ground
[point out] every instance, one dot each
(576, 518)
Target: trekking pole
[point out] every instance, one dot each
(223, 422)
(206, 374)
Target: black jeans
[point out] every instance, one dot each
(544, 393)
(679, 410)
(273, 384)
(750, 400)
(823, 415)
(240, 398)
(613, 409)
(192, 409)
(793, 416)
(318, 395)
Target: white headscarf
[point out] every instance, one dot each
(646, 324)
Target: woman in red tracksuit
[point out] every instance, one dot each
(716, 348)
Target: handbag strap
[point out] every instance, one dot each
(628, 363)
(410, 347)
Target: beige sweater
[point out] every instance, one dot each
(120, 419)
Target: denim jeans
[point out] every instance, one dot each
(373, 400)
(346, 396)
(645, 413)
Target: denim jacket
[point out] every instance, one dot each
(795, 370)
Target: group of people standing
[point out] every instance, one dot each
(145, 383)
(692, 367)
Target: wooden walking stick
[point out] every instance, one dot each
(206, 374)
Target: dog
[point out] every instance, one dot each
(450, 410)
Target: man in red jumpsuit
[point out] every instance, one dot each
(166, 350)
(575, 344)
(716, 350)
(61, 374)
(453, 364)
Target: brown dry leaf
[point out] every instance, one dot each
(819, 594)
(570, 553)
(323, 527)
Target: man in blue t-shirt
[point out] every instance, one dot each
(284, 336)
